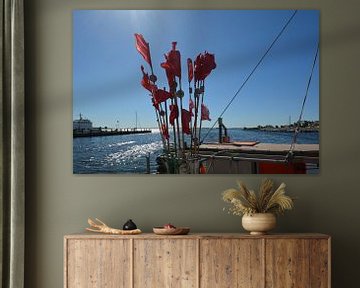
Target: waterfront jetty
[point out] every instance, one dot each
(83, 128)
(108, 132)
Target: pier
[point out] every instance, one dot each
(108, 132)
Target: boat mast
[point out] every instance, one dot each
(136, 120)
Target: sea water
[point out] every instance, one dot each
(127, 153)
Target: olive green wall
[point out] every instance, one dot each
(59, 202)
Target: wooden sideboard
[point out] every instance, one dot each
(197, 260)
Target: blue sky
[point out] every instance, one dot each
(107, 75)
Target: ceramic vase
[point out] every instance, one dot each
(259, 223)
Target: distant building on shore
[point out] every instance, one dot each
(304, 126)
(82, 124)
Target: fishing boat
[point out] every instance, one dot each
(180, 118)
(246, 157)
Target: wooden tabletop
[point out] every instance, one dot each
(89, 235)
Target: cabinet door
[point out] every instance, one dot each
(231, 263)
(165, 263)
(287, 263)
(98, 263)
(320, 263)
(297, 263)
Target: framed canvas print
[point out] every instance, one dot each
(196, 92)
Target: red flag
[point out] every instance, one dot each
(191, 106)
(205, 114)
(169, 73)
(161, 96)
(174, 58)
(145, 82)
(143, 47)
(174, 114)
(165, 131)
(172, 66)
(185, 121)
(203, 65)
(190, 69)
(155, 104)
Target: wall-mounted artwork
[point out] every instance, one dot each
(196, 92)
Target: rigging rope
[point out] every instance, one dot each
(251, 73)
(297, 129)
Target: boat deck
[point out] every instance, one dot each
(251, 157)
(263, 148)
